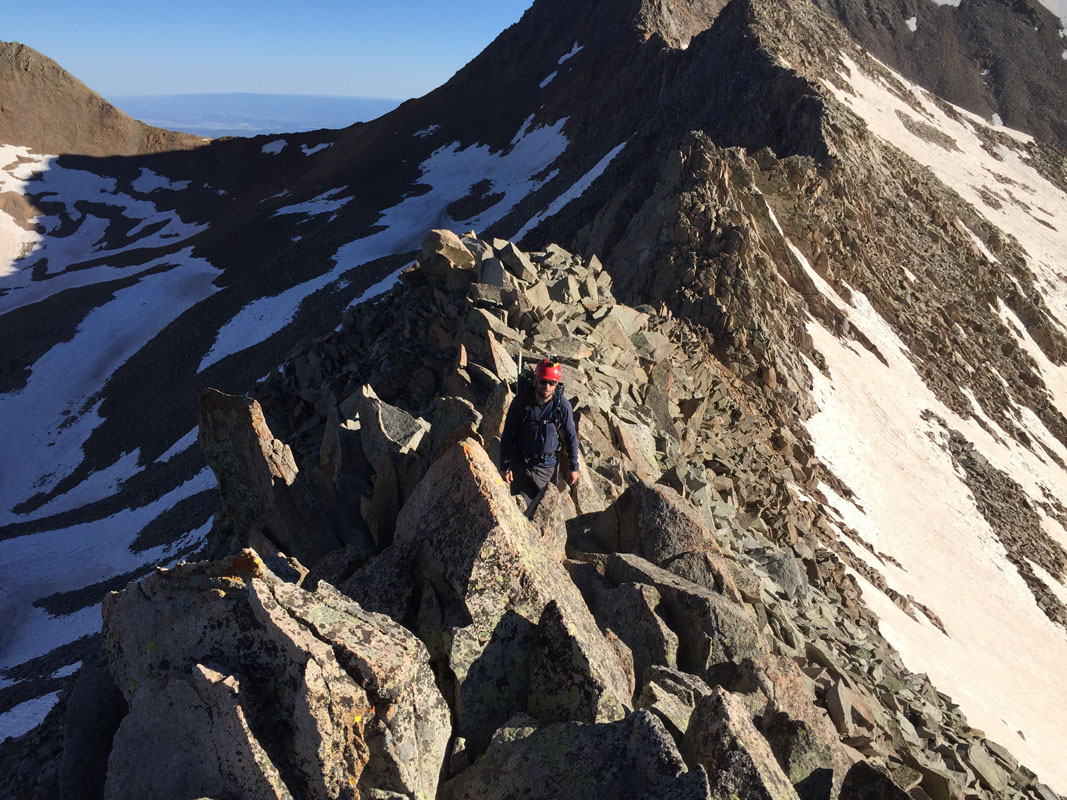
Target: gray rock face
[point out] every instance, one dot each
(262, 492)
(723, 740)
(716, 635)
(306, 695)
(631, 758)
(491, 580)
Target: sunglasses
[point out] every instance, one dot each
(545, 382)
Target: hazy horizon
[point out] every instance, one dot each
(215, 114)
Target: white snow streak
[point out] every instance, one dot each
(548, 80)
(575, 49)
(24, 717)
(309, 151)
(574, 192)
(275, 147)
(149, 181)
(323, 204)
(48, 421)
(1025, 203)
(450, 172)
(912, 23)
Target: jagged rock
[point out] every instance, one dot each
(563, 684)
(631, 758)
(786, 572)
(865, 782)
(94, 711)
(739, 762)
(386, 429)
(492, 580)
(630, 611)
(718, 636)
(517, 262)
(262, 492)
(442, 250)
(978, 758)
(307, 695)
(671, 710)
(550, 520)
(651, 521)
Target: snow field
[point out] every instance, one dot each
(1002, 659)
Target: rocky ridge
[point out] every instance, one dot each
(682, 624)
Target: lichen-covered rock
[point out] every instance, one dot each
(491, 579)
(655, 522)
(715, 634)
(723, 740)
(630, 610)
(266, 690)
(631, 758)
(564, 685)
(263, 493)
(865, 782)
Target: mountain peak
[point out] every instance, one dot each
(47, 109)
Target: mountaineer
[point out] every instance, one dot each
(530, 446)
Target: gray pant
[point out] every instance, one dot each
(530, 480)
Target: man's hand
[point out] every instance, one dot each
(509, 476)
(572, 477)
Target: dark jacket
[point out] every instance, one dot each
(530, 436)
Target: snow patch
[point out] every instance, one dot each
(51, 418)
(323, 204)
(180, 446)
(548, 80)
(70, 669)
(1004, 191)
(428, 131)
(148, 182)
(24, 717)
(575, 49)
(997, 121)
(275, 147)
(310, 151)
(576, 190)
(68, 559)
(912, 23)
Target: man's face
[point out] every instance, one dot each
(545, 389)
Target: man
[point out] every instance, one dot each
(530, 443)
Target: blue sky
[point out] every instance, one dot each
(355, 48)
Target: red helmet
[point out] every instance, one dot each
(548, 371)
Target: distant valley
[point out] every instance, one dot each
(250, 114)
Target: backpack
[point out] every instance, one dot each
(525, 384)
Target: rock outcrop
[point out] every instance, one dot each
(676, 625)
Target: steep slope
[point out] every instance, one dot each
(48, 110)
(992, 58)
(827, 224)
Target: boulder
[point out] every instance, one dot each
(386, 429)
(739, 762)
(95, 709)
(442, 251)
(241, 684)
(634, 758)
(563, 684)
(718, 635)
(866, 782)
(630, 610)
(517, 262)
(492, 579)
(261, 490)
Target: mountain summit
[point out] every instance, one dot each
(863, 281)
(47, 109)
